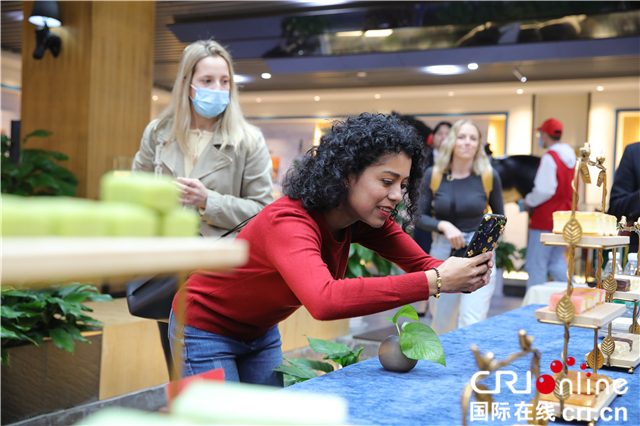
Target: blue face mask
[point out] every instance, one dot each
(210, 103)
(540, 142)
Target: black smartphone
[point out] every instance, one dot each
(486, 236)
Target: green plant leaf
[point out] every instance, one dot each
(7, 331)
(75, 333)
(419, 341)
(326, 347)
(43, 179)
(406, 311)
(5, 357)
(18, 311)
(310, 364)
(37, 133)
(295, 371)
(62, 339)
(356, 269)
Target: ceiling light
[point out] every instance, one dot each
(472, 66)
(378, 33)
(444, 69)
(600, 88)
(154, 97)
(519, 75)
(450, 93)
(237, 78)
(362, 74)
(258, 100)
(349, 34)
(266, 75)
(316, 98)
(377, 96)
(519, 91)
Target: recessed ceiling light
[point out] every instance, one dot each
(154, 97)
(378, 33)
(349, 34)
(450, 93)
(316, 98)
(258, 100)
(237, 78)
(519, 91)
(472, 66)
(600, 88)
(377, 96)
(362, 74)
(266, 75)
(444, 69)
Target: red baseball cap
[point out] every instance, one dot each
(552, 127)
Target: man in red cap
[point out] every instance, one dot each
(551, 192)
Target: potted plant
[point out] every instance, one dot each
(414, 341)
(36, 172)
(302, 369)
(36, 325)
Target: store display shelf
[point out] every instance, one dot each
(631, 295)
(630, 360)
(587, 241)
(39, 260)
(599, 316)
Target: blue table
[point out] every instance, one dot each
(430, 393)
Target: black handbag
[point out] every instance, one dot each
(151, 297)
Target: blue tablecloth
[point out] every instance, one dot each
(430, 393)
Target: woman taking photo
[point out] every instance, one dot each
(458, 204)
(343, 191)
(220, 161)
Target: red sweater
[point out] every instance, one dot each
(294, 261)
(542, 217)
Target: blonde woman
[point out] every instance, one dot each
(220, 161)
(452, 210)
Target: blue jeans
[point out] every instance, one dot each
(544, 260)
(247, 361)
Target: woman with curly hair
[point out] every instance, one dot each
(344, 191)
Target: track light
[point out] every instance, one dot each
(518, 75)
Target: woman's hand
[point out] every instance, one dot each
(193, 192)
(465, 274)
(453, 234)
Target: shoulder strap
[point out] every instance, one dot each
(436, 179)
(487, 184)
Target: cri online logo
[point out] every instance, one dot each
(545, 383)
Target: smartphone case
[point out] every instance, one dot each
(486, 236)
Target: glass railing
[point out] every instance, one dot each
(351, 42)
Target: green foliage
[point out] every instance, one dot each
(302, 369)
(56, 312)
(506, 253)
(418, 340)
(36, 172)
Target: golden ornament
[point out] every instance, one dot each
(572, 231)
(565, 311)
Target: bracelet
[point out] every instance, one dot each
(438, 282)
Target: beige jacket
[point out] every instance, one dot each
(238, 181)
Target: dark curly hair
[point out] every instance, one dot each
(351, 146)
